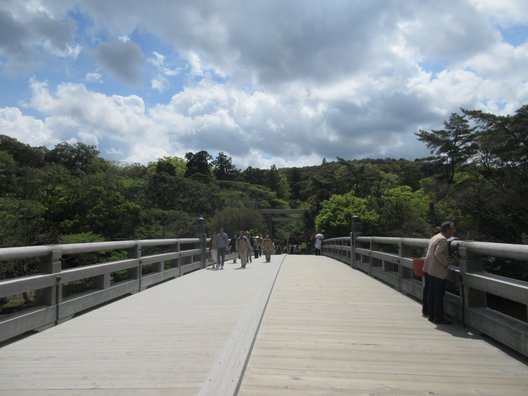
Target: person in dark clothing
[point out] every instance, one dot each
(436, 263)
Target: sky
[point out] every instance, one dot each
(267, 82)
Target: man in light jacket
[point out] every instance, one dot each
(222, 242)
(435, 266)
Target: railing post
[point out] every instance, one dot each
(400, 267)
(471, 263)
(355, 232)
(178, 263)
(371, 244)
(200, 230)
(52, 296)
(136, 273)
(52, 264)
(403, 251)
(103, 281)
(352, 251)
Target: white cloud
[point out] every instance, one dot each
(505, 12)
(28, 33)
(27, 129)
(73, 110)
(94, 77)
(196, 63)
(159, 84)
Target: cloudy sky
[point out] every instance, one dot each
(284, 82)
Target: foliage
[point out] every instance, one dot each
(235, 220)
(223, 168)
(83, 237)
(489, 174)
(158, 223)
(172, 166)
(237, 194)
(401, 212)
(477, 176)
(77, 158)
(336, 214)
(199, 166)
(452, 146)
(23, 222)
(23, 154)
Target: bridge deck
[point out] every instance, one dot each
(326, 329)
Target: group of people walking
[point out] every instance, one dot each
(244, 245)
(437, 260)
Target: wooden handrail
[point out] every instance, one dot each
(52, 308)
(469, 305)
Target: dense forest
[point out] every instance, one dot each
(477, 176)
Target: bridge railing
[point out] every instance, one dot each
(470, 289)
(107, 281)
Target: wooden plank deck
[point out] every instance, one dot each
(187, 336)
(329, 329)
(326, 329)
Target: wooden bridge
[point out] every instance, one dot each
(300, 325)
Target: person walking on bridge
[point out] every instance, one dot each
(243, 248)
(267, 248)
(318, 242)
(435, 267)
(222, 242)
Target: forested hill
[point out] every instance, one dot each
(477, 176)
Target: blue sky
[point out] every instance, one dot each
(274, 83)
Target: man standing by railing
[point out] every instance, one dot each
(222, 241)
(435, 267)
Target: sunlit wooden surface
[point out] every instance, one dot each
(327, 329)
(330, 330)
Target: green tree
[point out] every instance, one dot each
(235, 220)
(336, 213)
(485, 173)
(255, 176)
(452, 146)
(173, 166)
(179, 193)
(278, 182)
(363, 178)
(82, 237)
(198, 166)
(223, 168)
(135, 170)
(402, 212)
(500, 176)
(8, 167)
(157, 223)
(23, 154)
(503, 141)
(109, 214)
(294, 178)
(77, 158)
(238, 194)
(23, 223)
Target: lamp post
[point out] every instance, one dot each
(355, 232)
(200, 233)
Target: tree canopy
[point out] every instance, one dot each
(477, 176)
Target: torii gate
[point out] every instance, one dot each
(272, 215)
